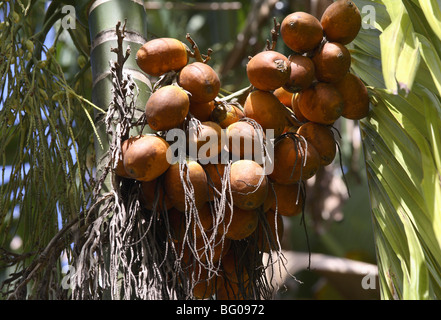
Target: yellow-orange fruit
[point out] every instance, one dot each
(302, 73)
(322, 138)
(162, 55)
(321, 103)
(270, 232)
(167, 108)
(205, 139)
(301, 31)
(266, 109)
(268, 70)
(146, 158)
(294, 160)
(355, 97)
(226, 115)
(200, 80)
(295, 108)
(202, 111)
(332, 62)
(284, 96)
(245, 141)
(289, 201)
(215, 176)
(119, 169)
(240, 223)
(248, 184)
(341, 21)
(153, 192)
(175, 190)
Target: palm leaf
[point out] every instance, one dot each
(401, 139)
(45, 134)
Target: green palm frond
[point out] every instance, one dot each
(46, 142)
(401, 139)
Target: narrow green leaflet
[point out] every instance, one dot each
(432, 12)
(399, 49)
(432, 111)
(369, 43)
(408, 62)
(402, 145)
(432, 59)
(417, 285)
(390, 41)
(369, 67)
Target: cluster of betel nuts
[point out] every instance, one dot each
(296, 99)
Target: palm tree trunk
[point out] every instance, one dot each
(117, 29)
(103, 16)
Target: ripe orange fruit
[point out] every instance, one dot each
(266, 109)
(295, 108)
(355, 97)
(162, 55)
(245, 141)
(341, 21)
(206, 141)
(174, 188)
(268, 70)
(302, 73)
(240, 223)
(119, 169)
(200, 80)
(202, 111)
(322, 138)
(248, 184)
(288, 200)
(145, 159)
(301, 32)
(153, 191)
(284, 96)
(321, 103)
(332, 62)
(167, 108)
(226, 115)
(294, 160)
